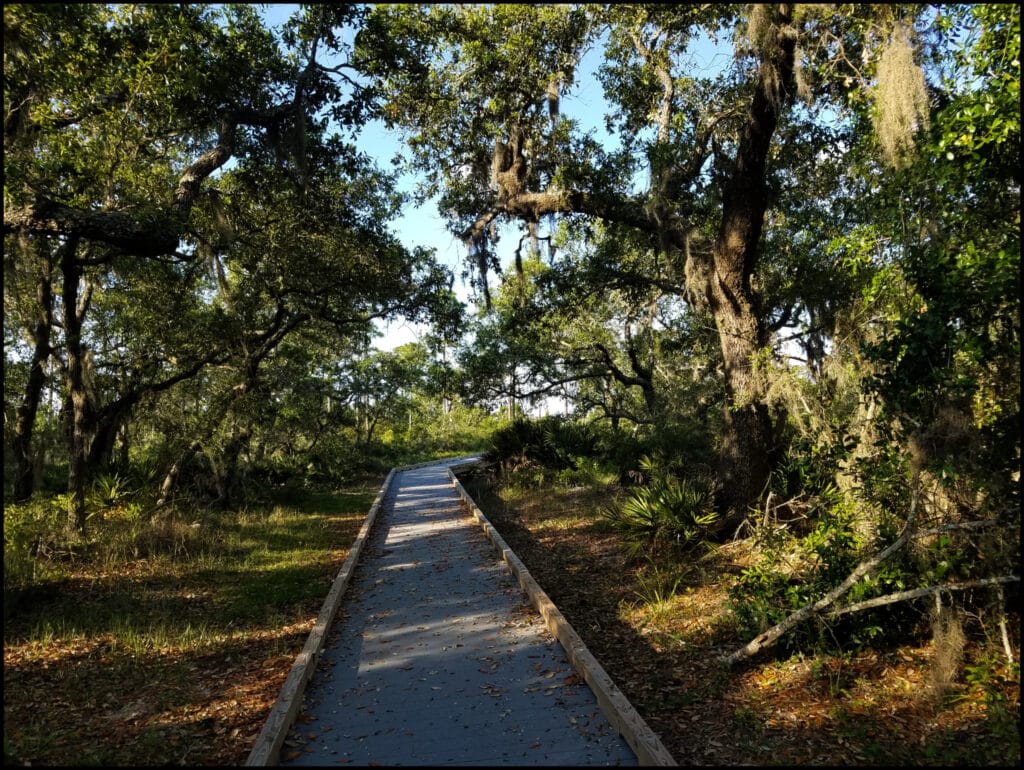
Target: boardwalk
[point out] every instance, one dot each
(437, 658)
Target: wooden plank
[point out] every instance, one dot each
(267, 749)
(613, 702)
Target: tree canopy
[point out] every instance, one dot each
(789, 278)
(182, 197)
(760, 175)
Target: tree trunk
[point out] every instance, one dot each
(231, 482)
(512, 395)
(220, 412)
(77, 395)
(110, 421)
(105, 432)
(217, 417)
(21, 443)
(748, 442)
(748, 445)
(171, 479)
(371, 426)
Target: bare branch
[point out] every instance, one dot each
(960, 526)
(769, 637)
(917, 593)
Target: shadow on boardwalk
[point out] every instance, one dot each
(436, 656)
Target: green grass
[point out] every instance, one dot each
(180, 614)
(201, 570)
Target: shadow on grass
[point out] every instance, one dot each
(112, 707)
(215, 599)
(176, 658)
(223, 568)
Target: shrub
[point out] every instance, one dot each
(542, 447)
(684, 446)
(669, 511)
(795, 571)
(589, 472)
(33, 531)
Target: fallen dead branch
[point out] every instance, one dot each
(822, 605)
(916, 593)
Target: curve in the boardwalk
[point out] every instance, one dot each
(437, 658)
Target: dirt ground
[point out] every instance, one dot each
(867, 708)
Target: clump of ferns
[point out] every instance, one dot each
(670, 513)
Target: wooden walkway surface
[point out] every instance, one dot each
(436, 647)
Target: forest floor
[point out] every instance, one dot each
(659, 633)
(104, 699)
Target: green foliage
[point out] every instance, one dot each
(980, 129)
(945, 363)
(35, 533)
(793, 572)
(441, 428)
(589, 472)
(668, 513)
(658, 584)
(989, 676)
(107, 491)
(250, 333)
(545, 446)
(269, 553)
(230, 327)
(683, 444)
(808, 467)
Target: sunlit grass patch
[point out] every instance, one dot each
(565, 521)
(139, 638)
(672, 612)
(560, 507)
